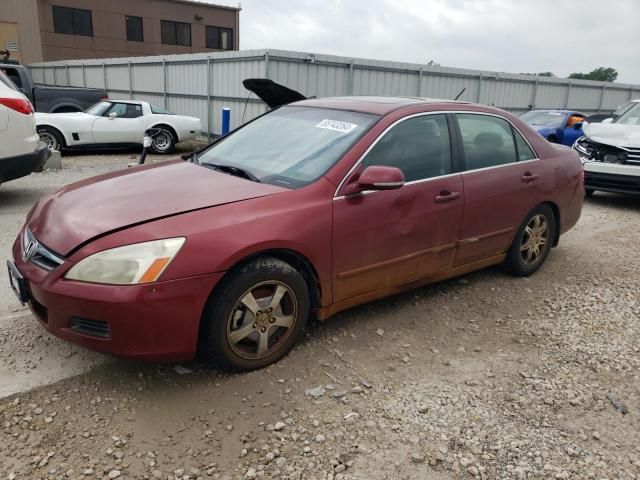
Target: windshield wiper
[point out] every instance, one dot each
(237, 171)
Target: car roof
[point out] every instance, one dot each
(117, 100)
(371, 104)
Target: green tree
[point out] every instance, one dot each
(541, 74)
(601, 74)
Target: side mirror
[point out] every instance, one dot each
(607, 120)
(577, 126)
(378, 177)
(113, 115)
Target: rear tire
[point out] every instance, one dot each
(533, 242)
(255, 315)
(52, 137)
(164, 142)
(588, 192)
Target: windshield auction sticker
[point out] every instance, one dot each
(336, 126)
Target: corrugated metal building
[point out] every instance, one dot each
(201, 84)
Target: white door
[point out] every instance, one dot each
(122, 123)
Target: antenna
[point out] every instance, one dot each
(460, 94)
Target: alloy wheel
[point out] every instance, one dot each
(162, 141)
(50, 140)
(262, 320)
(535, 239)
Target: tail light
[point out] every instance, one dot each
(20, 105)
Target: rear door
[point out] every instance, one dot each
(126, 127)
(503, 181)
(387, 238)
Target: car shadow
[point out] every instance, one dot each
(615, 200)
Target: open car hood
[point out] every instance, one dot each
(272, 93)
(613, 134)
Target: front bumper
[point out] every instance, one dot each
(612, 177)
(154, 322)
(12, 168)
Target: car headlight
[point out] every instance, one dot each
(128, 265)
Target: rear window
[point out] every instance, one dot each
(160, 111)
(6, 81)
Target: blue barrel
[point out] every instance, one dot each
(226, 120)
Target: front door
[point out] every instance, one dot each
(122, 123)
(502, 183)
(387, 238)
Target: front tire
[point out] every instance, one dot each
(51, 137)
(255, 316)
(533, 242)
(164, 142)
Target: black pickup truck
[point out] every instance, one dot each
(51, 99)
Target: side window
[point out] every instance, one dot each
(524, 150)
(487, 141)
(13, 75)
(419, 147)
(125, 110)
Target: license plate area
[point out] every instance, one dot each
(17, 282)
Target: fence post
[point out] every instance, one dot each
(534, 95)
(266, 64)
(67, 74)
(419, 90)
(566, 101)
(84, 76)
(55, 80)
(104, 77)
(130, 82)
(479, 88)
(351, 79)
(630, 93)
(604, 85)
(164, 83)
(209, 112)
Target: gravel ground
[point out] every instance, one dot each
(486, 376)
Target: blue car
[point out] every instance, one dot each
(557, 126)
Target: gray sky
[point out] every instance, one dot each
(562, 36)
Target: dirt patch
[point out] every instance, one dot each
(487, 376)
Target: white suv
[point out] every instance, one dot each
(21, 151)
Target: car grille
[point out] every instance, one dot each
(633, 154)
(93, 328)
(598, 152)
(34, 252)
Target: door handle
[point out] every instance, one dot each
(446, 196)
(529, 177)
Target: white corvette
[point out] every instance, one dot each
(116, 123)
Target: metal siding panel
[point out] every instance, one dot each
(585, 98)
(614, 97)
(327, 76)
(75, 76)
(94, 77)
(118, 78)
(551, 96)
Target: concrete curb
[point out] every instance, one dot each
(54, 162)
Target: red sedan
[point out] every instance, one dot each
(308, 210)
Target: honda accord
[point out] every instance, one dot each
(310, 209)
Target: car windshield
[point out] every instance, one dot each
(98, 109)
(631, 117)
(160, 111)
(543, 119)
(622, 109)
(291, 146)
